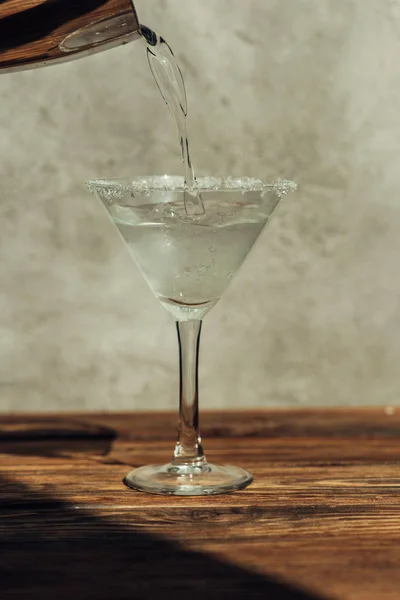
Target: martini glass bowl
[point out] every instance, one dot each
(188, 262)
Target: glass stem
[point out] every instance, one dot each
(188, 450)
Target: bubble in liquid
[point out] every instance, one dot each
(201, 271)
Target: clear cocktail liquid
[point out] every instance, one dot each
(169, 79)
(189, 261)
(191, 244)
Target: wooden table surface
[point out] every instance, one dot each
(321, 520)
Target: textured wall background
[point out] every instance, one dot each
(306, 89)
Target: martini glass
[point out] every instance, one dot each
(188, 262)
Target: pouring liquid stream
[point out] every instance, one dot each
(169, 79)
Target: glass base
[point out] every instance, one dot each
(187, 480)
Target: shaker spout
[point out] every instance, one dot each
(35, 33)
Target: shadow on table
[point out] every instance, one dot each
(51, 550)
(49, 437)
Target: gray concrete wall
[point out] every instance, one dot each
(305, 89)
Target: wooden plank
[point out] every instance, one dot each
(333, 422)
(322, 519)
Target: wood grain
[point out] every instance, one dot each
(320, 521)
(31, 31)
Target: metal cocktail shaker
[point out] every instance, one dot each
(34, 33)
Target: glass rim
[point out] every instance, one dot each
(175, 183)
